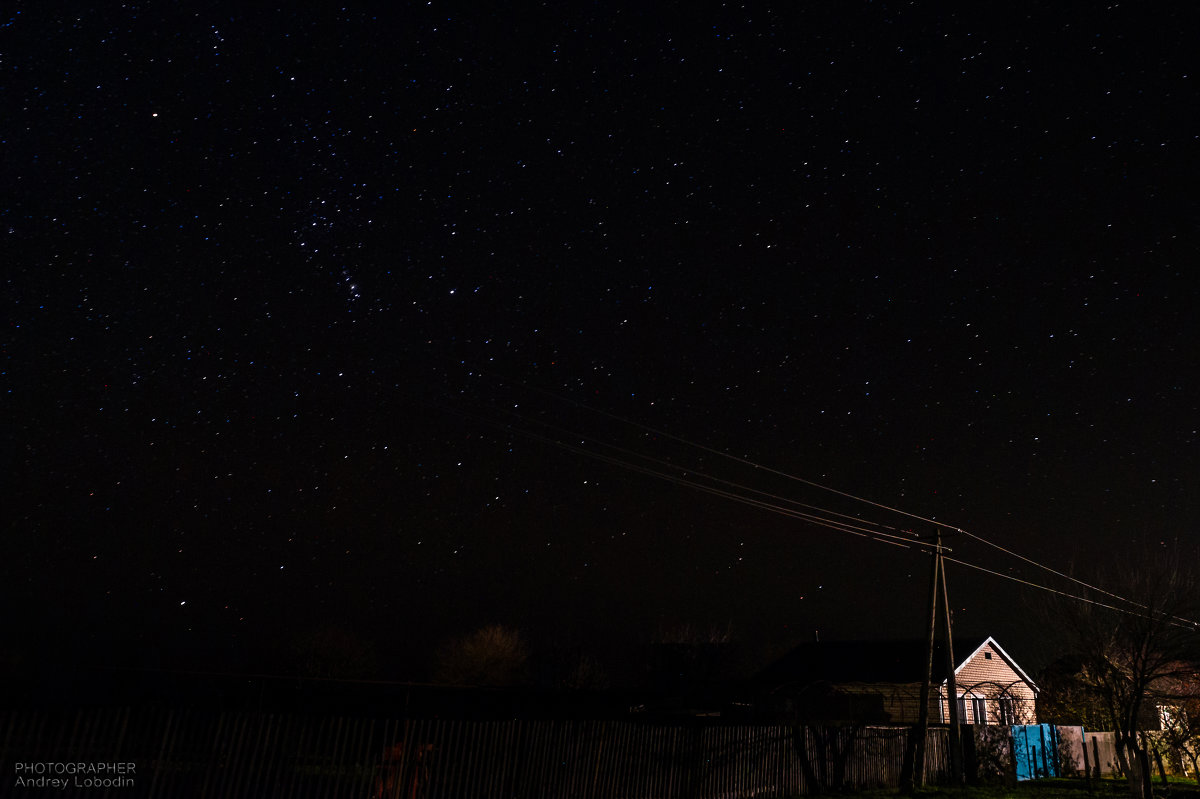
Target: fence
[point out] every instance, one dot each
(1081, 751)
(186, 753)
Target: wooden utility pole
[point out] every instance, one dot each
(913, 773)
(956, 750)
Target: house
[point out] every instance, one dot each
(992, 688)
(879, 682)
(1069, 696)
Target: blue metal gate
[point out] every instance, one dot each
(1035, 747)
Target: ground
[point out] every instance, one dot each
(1178, 788)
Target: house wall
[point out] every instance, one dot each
(901, 701)
(989, 676)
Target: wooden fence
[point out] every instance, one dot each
(194, 753)
(1100, 756)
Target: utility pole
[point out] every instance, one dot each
(956, 750)
(913, 774)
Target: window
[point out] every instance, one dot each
(944, 710)
(987, 655)
(979, 709)
(1008, 711)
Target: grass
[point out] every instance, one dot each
(1178, 788)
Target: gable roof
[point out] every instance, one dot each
(1012, 664)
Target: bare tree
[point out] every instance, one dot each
(1179, 716)
(687, 658)
(1127, 657)
(493, 655)
(1066, 698)
(586, 674)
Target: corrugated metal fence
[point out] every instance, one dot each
(188, 753)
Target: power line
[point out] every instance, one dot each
(822, 487)
(874, 535)
(862, 532)
(1052, 571)
(718, 452)
(719, 480)
(1186, 622)
(821, 521)
(841, 526)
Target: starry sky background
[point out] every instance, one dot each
(294, 299)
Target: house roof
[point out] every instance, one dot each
(896, 661)
(1007, 659)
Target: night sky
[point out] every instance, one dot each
(319, 319)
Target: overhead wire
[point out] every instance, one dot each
(722, 481)
(797, 514)
(1032, 562)
(863, 532)
(874, 535)
(714, 451)
(1177, 621)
